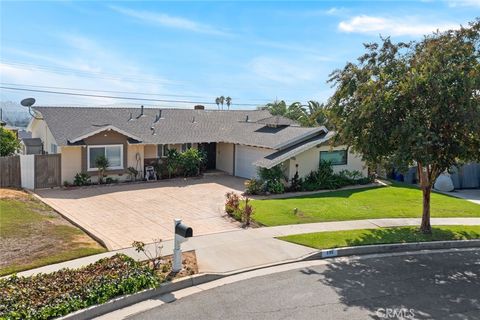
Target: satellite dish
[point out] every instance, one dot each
(28, 102)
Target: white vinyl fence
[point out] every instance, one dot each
(27, 170)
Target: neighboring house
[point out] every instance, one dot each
(31, 146)
(236, 142)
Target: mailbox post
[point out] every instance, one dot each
(182, 232)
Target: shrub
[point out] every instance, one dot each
(253, 186)
(271, 179)
(247, 213)
(295, 183)
(81, 179)
(52, 295)
(153, 256)
(232, 203)
(191, 161)
(274, 173)
(9, 144)
(102, 164)
(275, 186)
(172, 162)
(133, 173)
(110, 180)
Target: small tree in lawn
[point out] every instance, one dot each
(102, 164)
(415, 103)
(9, 143)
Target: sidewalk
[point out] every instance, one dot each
(240, 249)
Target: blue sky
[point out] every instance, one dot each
(252, 51)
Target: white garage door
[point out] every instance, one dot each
(244, 157)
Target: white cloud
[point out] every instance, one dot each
(334, 11)
(85, 64)
(280, 70)
(165, 20)
(463, 3)
(410, 26)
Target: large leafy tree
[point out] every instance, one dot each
(9, 143)
(413, 103)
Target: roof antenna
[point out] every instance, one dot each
(141, 112)
(158, 116)
(246, 119)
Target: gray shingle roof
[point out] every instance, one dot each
(176, 125)
(278, 157)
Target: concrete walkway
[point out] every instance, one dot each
(472, 195)
(242, 249)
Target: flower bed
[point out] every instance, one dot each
(45, 296)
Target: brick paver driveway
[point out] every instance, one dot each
(118, 215)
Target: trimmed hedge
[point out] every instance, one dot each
(46, 296)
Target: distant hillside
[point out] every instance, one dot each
(14, 114)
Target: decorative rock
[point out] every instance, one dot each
(444, 183)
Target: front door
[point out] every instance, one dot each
(211, 151)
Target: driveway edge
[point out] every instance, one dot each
(128, 300)
(90, 233)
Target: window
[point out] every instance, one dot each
(335, 157)
(186, 146)
(53, 148)
(162, 150)
(114, 154)
(160, 153)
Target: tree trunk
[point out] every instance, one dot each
(425, 227)
(426, 186)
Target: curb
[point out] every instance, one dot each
(128, 300)
(391, 248)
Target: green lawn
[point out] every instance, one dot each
(396, 201)
(33, 235)
(338, 239)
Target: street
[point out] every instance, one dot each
(436, 285)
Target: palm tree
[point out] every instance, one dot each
(296, 112)
(229, 102)
(217, 101)
(318, 115)
(222, 100)
(277, 108)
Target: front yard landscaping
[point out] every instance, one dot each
(32, 234)
(349, 238)
(51, 295)
(395, 201)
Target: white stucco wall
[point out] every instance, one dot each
(40, 130)
(224, 159)
(308, 161)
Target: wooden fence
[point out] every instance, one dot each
(31, 171)
(48, 171)
(10, 172)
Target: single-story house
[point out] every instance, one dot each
(236, 142)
